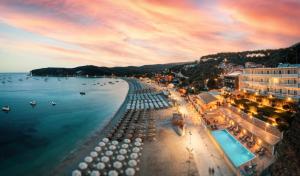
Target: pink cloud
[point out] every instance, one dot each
(114, 33)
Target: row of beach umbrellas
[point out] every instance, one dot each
(112, 158)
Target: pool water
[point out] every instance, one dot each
(234, 150)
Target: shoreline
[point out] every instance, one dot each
(75, 156)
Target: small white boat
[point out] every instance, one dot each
(5, 108)
(33, 103)
(82, 93)
(53, 103)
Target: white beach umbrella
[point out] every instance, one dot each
(130, 172)
(95, 173)
(88, 159)
(117, 164)
(115, 142)
(100, 166)
(113, 173)
(76, 173)
(125, 146)
(112, 147)
(136, 150)
(120, 157)
(94, 154)
(127, 141)
(108, 153)
(132, 163)
(106, 140)
(134, 155)
(98, 149)
(138, 140)
(137, 144)
(82, 166)
(123, 151)
(101, 144)
(104, 159)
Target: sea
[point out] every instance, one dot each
(34, 139)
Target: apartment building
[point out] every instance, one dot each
(282, 81)
(231, 80)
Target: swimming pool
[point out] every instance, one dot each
(234, 150)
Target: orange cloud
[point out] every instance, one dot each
(114, 33)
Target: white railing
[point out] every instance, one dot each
(272, 75)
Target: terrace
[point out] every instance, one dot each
(257, 140)
(273, 111)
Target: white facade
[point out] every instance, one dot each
(282, 82)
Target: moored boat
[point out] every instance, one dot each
(33, 103)
(5, 108)
(53, 103)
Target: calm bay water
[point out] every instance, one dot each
(35, 139)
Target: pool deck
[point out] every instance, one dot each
(268, 137)
(239, 143)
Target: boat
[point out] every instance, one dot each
(179, 124)
(53, 103)
(33, 103)
(82, 93)
(5, 108)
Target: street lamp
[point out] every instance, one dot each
(190, 133)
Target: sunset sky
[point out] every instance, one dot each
(68, 33)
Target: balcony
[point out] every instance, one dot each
(267, 84)
(282, 95)
(272, 75)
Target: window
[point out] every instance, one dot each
(279, 71)
(289, 72)
(280, 91)
(295, 92)
(288, 91)
(268, 72)
(295, 82)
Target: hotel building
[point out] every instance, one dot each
(281, 82)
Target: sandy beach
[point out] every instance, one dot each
(71, 161)
(168, 155)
